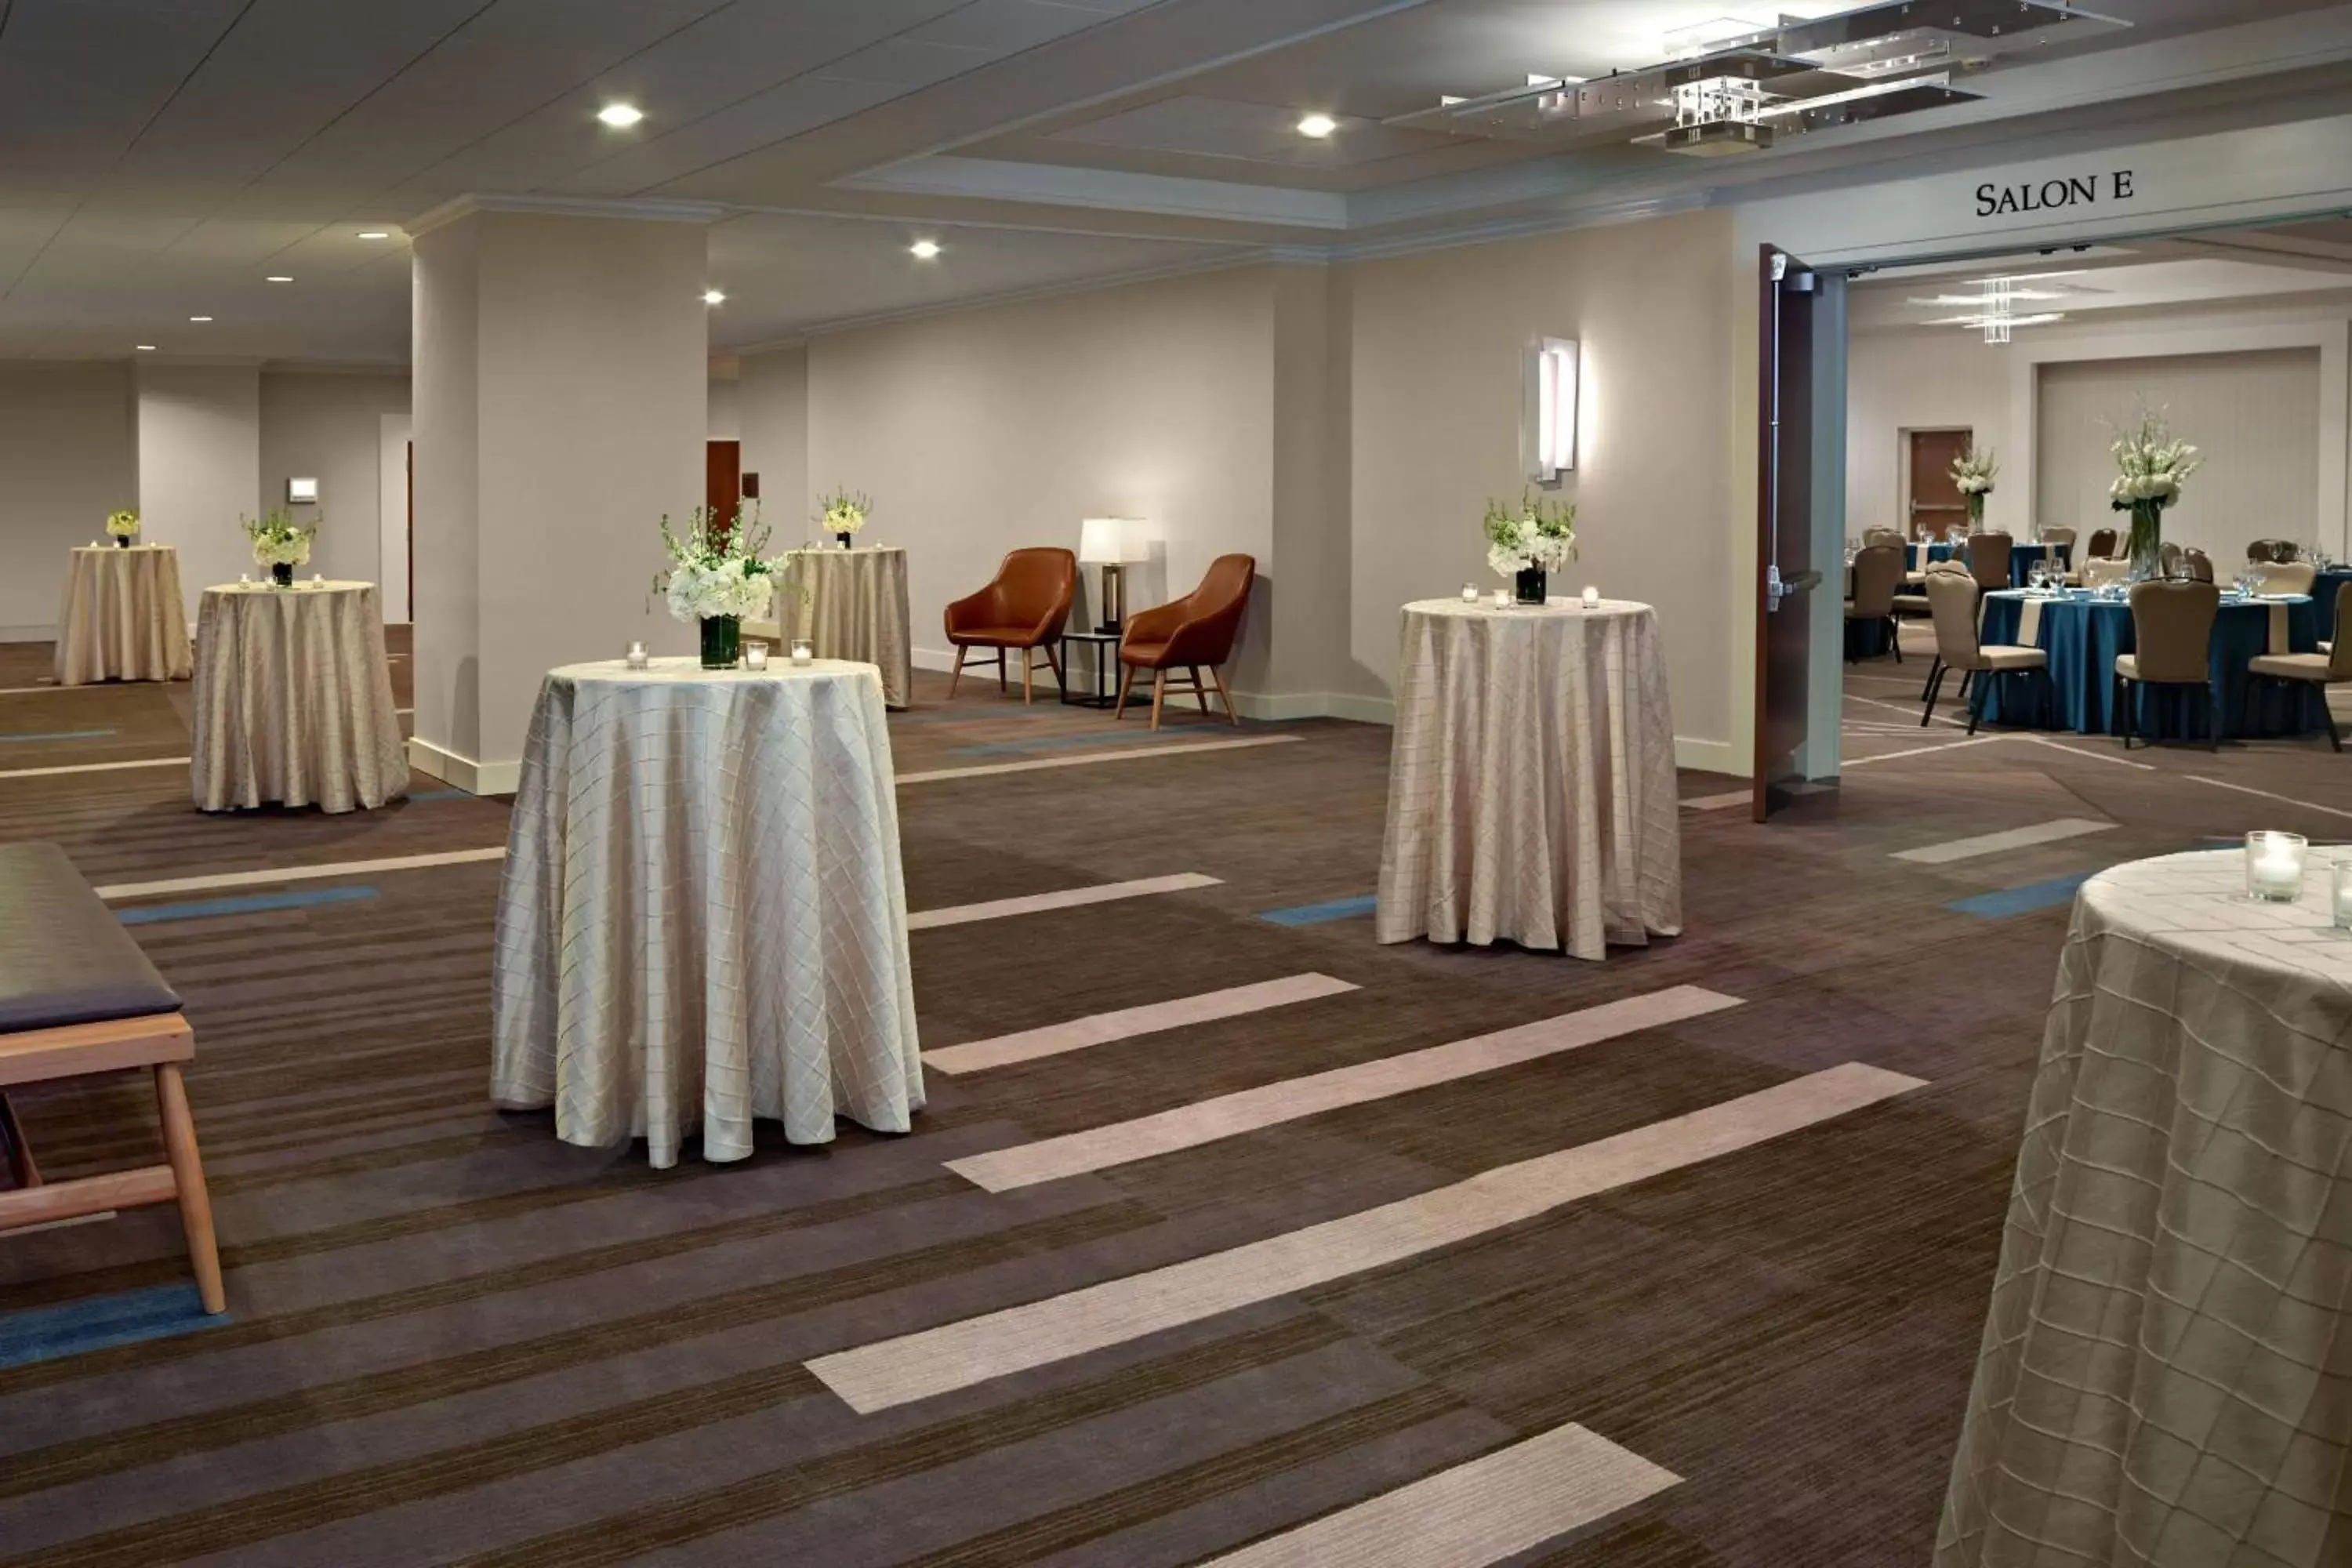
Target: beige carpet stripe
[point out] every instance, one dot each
(1067, 897)
(298, 873)
(92, 767)
(1127, 755)
(1723, 802)
(1495, 1507)
(1996, 843)
(962, 1354)
(1228, 1115)
(1103, 1028)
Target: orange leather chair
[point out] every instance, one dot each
(1195, 630)
(1025, 608)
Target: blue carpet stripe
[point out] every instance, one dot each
(70, 1328)
(252, 904)
(2007, 902)
(62, 735)
(1315, 914)
(1096, 738)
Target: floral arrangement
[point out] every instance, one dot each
(844, 512)
(279, 540)
(122, 524)
(1973, 472)
(1537, 534)
(2152, 464)
(715, 571)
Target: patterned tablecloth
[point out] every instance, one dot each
(852, 605)
(703, 921)
(2165, 1375)
(1531, 780)
(293, 699)
(122, 617)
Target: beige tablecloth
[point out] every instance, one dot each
(1531, 780)
(855, 609)
(2166, 1373)
(293, 698)
(703, 919)
(122, 617)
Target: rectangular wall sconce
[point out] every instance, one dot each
(301, 492)
(1548, 409)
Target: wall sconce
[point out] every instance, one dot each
(1548, 409)
(301, 492)
(1111, 542)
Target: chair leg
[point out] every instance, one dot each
(1935, 668)
(1218, 674)
(999, 672)
(1054, 662)
(2335, 736)
(188, 1176)
(1200, 689)
(1935, 687)
(1894, 637)
(21, 1169)
(1158, 694)
(956, 676)
(2213, 721)
(1028, 668)
(1977, 701)
(1126, 680)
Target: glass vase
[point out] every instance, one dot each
(1976, 511)
(844, 539)
(123, 542)
(2146, 549)
(722, 640)
(1530, 586)
(282, 573)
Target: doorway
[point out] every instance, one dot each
(1933, 504)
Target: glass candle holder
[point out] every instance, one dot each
(636, 655)
(803, 654)
(1502, 600)
(2275, 866)
(1469, 593)
(2339, 894)
(1591, 597)
(755, 656)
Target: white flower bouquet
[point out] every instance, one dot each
(1534, 536)
(844, 512)
(1973, 472)
(279, 542)
(718, 576)
(2152, 465)
(122, 525)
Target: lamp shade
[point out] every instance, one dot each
(1112, 541)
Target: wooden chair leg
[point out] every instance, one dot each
(1028, 668)
(956, 676)
(999, 672)
(188, 1177)
(1054, 662)
(1158, 694)
(21, 1169)
(1199, 688)
(1218, 673)
(1126, 680)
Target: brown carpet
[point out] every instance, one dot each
(454, 1338)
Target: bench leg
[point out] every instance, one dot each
(21, 1169)
(188, 1179)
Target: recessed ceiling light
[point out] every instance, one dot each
(200, 317)
(620, 116)
(1317, 126)
(277, 278)
(375, 234)
(924, 249)
(713, 297)
(144, 348)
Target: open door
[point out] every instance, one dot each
(1788, 576)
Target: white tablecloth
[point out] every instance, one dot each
(122, 617)
(703, 919)
(1531, 780)
(849, 605)
(293, 698)
(2166, 1373)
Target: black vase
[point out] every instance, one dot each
(722, 640)
(123, 542)
(282, 573)
(844, 539)
(1531, 589)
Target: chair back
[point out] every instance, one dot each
(2172, 629)
(2058, 537)
(1213, 611)
(2339, 661)
(1877, 573)
(1873, 537)
(2283, 578)
(1952, 594)
(2103, 543)
(2168, 558)
(1034, 587)
(2273, 550)
(2196, 566)
(2100, 570)
(1989, 558)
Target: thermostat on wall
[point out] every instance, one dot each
(301, 492)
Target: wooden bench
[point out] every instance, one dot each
(78, 999)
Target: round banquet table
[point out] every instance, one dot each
(849, 605)
(2161, 1379)
(122, 617)
(1531, 780)
(2084, 633)
(293, 698)
(702, 919)
(2022, 556)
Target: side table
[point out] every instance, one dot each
(1106, 667)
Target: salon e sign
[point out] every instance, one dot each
(1995, 199)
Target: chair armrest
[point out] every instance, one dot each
(1158, 623)
(972, 610)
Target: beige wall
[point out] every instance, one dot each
(66, 459)
(200, 467)
(1902, 381)
(330, 428)
(771, 403)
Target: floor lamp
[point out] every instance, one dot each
(1111, 542)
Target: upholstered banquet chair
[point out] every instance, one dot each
(2102, 544)
(2330, 666)
(1877, 571)
(2168, 558)
(2172, 638)
(2099, 571)
(1989, 560)
(2282, 577)
(2196, 566)
(1195, 630)
(1025, 608)
(2273, 549)
(1953, 594)
(1873, 537)
(2058, 537)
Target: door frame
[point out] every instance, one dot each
(1903, 434)
(395, 510)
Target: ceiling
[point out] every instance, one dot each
(160, 159)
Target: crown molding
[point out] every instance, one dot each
(644, 211)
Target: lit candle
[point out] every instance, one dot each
(755, 656)
(2275, 866)
(1502, 599)
(1469, 593)
(637, 659)
(1591, 597)
(803, 654)
(317, 578)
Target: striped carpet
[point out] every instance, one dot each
(1400, 1279)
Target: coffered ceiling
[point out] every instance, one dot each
(161, 159)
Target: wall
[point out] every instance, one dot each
(771, 414)
(330, 428)
(67, 449)
(200, 467)
(1898, 382)
(723, 414)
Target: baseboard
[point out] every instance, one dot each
(1711, 756)
(463, 773)
(28, 633)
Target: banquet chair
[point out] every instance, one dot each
(2102, 544)
(2168, 558)
(1954, 595)
(2058, 537)
(1195, 630)
(2281, 549)
(1989, 560)
(2172, 637)
(1025, 608)
(1877, 570)
(2196, 566)
(1873, 537)
(2099, 571)
(2330, 666)
(2282, 576)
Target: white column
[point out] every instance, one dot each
(560, 398)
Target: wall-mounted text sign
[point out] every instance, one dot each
(1997, 200)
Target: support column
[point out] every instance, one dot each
(561, 382)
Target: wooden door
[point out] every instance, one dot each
(1786, 573)
(723, 483)
(1934, 502)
